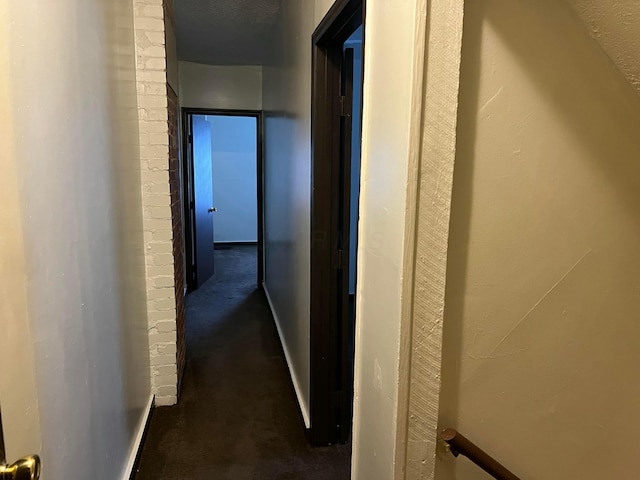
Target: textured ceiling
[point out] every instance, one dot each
(615, 24)
(226, 32)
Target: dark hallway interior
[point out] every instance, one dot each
(237, 416)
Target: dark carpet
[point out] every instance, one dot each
(237, 417)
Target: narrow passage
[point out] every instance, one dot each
(237, 417)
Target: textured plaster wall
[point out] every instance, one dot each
(390, 52)
(436, 79)
(541, 331)
(615, 25)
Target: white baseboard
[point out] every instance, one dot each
(137, 441)
(296, 385)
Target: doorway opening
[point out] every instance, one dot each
(237, 413)
(336, 138)
(222, 188)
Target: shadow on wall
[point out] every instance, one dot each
(543, 107)
(459, 231)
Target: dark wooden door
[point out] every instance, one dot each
(345, 313)
(332, 325)
(203, 198)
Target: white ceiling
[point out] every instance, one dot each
(226, 32)
(615, 25)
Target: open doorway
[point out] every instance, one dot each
(237, 415)
(336, 139)
(223, 189)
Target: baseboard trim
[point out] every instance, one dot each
(294, 379)
(235, 244)
(136, 446)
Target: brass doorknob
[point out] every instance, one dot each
(27, 468)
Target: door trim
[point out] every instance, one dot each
(187, 187)
(340, 22)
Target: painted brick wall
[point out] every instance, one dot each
(153, 117)
(178, 239)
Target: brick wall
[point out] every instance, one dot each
(178, 239)
(153, 117)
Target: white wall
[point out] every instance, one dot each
(541, 331)
(389, 60)
(220, 87)
(287, 106)
(74, 118)
(387, 112)
(234, 168)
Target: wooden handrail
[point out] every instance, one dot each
(461, 445)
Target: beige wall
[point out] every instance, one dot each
(73, 118)
(321, 7)
(541, 330)
(220, 87)
(614, 25)
(434, 112)
(18, 378)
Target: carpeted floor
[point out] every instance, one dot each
(237, 417)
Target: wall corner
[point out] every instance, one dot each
(433, 145)
(163, 303)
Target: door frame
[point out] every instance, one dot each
(328, 397)
(189, 226)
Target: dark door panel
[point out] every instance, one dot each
(203, 198)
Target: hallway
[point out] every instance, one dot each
(237, 416)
